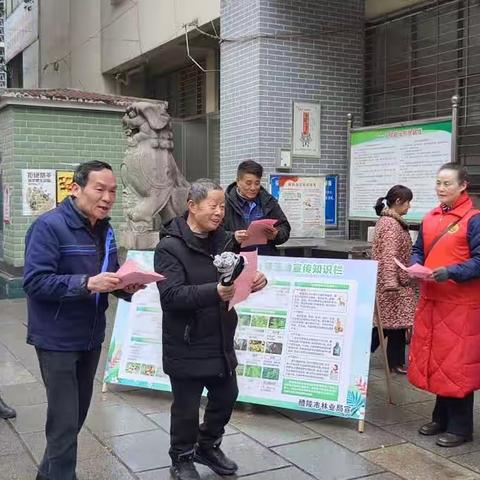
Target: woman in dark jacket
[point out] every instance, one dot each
(246, 201)
(198, 331)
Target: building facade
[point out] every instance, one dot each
(231, 70)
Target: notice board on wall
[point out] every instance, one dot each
(408, 154)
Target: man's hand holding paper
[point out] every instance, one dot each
(260, 232)
(133, 277)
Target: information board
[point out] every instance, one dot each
(408, 154)
(302, 343)
(302, 199)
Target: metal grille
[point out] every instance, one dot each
(191, 91)
(184, 90)
(414, 65)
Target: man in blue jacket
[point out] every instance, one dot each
(70, 257)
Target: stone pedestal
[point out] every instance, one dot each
(129, 240)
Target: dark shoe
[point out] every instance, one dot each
(183, 468)
(432, 428)
(399, 370)
(452, 440)
(6, 411)
(43, 477)
(216, 460)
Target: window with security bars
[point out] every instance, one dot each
(184, 90)
(415, 64)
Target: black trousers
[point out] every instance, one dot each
(68, 379)
(455, 415)
(184, 429)
(395, 346)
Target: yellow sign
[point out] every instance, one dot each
(64, 184)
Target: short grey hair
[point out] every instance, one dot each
(199, 189)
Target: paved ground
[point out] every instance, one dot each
(126, 432)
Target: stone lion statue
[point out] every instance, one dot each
(154, 188)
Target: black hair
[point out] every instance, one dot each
(462, 173)
(249, 166)
(397, 192)
(80, 176)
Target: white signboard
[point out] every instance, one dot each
(7, 216)
(306, 129)
(38, 191)
(21, 29)
(408, 155)
(302, 343)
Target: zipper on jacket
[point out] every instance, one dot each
(222, 334)
(186, 333)
(98, 246)
(57, 313)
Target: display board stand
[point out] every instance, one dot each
(361, 423)
(302, 343)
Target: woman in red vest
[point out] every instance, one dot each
(445, 354)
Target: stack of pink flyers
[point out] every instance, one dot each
(416, 271)
(132, 273)
(257, 231)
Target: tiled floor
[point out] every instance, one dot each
(126, 433)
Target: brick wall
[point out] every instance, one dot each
(239, 87)
(6, 150)
(319, 56)
(58, 139)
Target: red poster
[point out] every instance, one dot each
(306, 123)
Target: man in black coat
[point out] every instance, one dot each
(246, 201)
(198, 331)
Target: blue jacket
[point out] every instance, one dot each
(61, 252)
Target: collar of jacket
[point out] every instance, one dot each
(387, 212)
(178, 227)
(76, 219)
(264, 199)
(460, 208)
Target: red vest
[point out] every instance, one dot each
(452, 248)
(445, 355)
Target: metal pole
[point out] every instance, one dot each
(455, 103)
(349, 149)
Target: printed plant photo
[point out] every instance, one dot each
(254, 371)
(241, 343)
(257, 346)
(274, 347)
(277, 322)
(270, 373)
(244, 320)
(260, 321)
